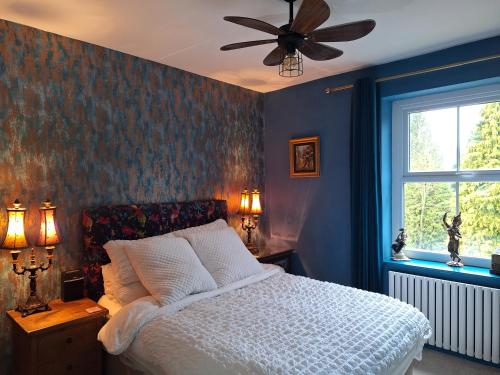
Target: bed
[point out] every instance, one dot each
(268, 323)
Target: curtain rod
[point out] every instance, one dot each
(331, 90)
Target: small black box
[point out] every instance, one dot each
(71, 285)
(495, 264)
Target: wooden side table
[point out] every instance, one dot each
(280, 257)
(60, 341)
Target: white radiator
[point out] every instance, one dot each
(465, 318)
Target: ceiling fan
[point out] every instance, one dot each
(300, 34)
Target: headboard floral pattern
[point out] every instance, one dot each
(131, 222)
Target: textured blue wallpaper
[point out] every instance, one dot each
(87, 126)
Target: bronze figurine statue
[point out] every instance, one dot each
(398, 245)
(454, 239)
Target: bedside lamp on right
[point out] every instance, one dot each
(250, 209)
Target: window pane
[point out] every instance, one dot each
(433, 140)
(480, 206)
(425, 205)
(480, 136)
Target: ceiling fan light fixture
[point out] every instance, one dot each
(292, 65)
(301, 35)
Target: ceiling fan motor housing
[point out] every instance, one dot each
(291, 40)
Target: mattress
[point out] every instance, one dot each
(275, 323)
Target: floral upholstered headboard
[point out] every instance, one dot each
(131, 222)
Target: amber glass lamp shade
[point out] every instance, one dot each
(256, 208)
(245, 202)
(15, 239)
(49, 231)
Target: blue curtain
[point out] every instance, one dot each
(366, 197)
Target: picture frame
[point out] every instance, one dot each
(304, 157)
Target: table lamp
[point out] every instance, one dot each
(15, 241)
(49, 231)
(250, 209)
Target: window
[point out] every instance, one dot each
(446, 158)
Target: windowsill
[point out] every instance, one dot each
(479, 271)
(444, 256)
(466, 274)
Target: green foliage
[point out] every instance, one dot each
(480, 201)
(425, 203)
(484, 147)
(424, 155)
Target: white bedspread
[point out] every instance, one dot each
(276, 324)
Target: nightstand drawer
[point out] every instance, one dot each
(62, 340)
(83, 363)
(67, 341)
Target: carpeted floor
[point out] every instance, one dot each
(438, 363)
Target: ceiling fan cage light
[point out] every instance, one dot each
(292, 65)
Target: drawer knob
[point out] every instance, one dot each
(69, 340)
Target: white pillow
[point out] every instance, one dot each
(169, 269)
(224, 255)
(124, 272)
(123, 293)
(109, 279)
(215, 225)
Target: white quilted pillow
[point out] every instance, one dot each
(224, 255)
(169, 269)
(215, 225)
(123, 270)
(109, 279)
(123, 293)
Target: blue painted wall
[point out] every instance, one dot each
(314, 214)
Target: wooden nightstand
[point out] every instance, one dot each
(60, 341)
(280, 257)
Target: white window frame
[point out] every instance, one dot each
(400, 155)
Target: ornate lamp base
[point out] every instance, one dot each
(399, 256)
(453, 263)
(248, 225)
(33, 305)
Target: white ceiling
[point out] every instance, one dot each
(187, 34)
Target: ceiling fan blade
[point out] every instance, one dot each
(255, 24)
(252, 43)
(343, 33)
(311, 14)
(275, 57)
(318, 51)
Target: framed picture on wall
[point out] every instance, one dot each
(304, 157)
